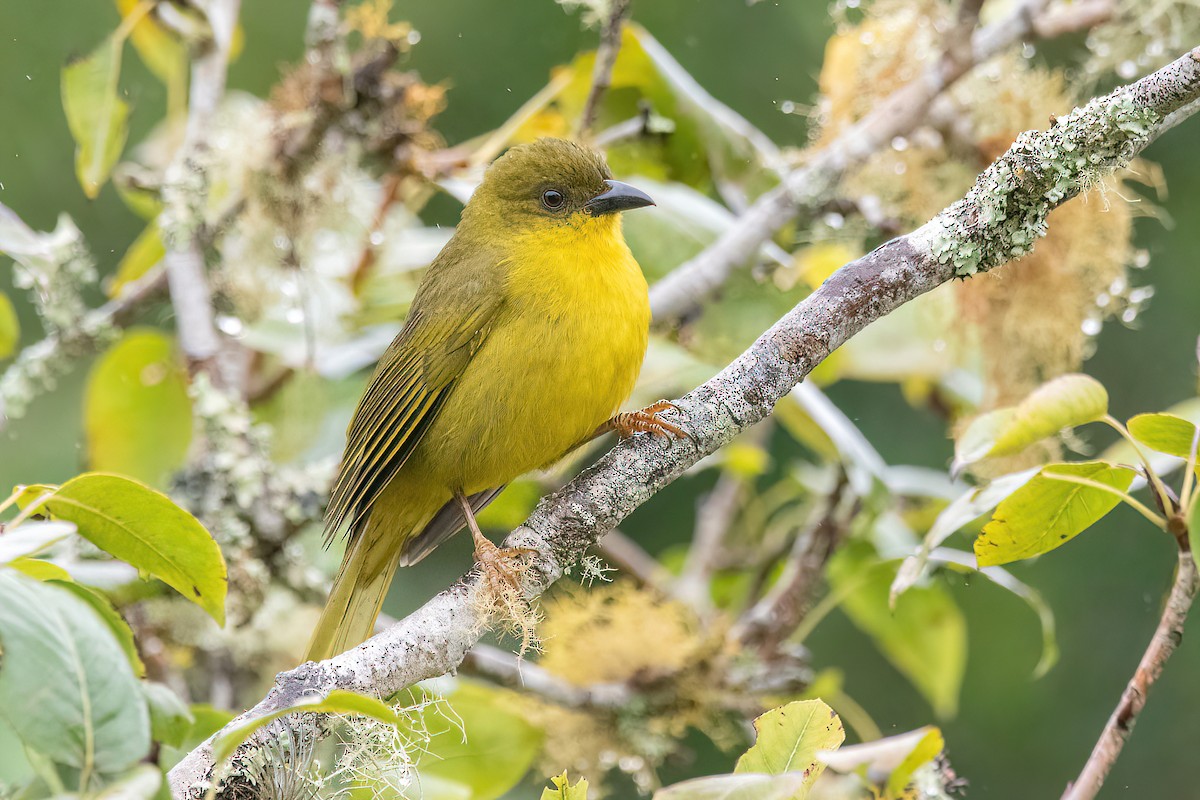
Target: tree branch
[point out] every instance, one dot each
(1120, 725)
(184, 192)
(999, 219)
(811, 185)
(606, 57)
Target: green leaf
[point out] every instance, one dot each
(144, 528)
(170, 718)
(163, 53)
(96, 114)
(112, 618)
(146, 251)
(498, 748)
(10, 327)
(32, 537)
(565, 790)
(65, 686)
(789, 738)
(140, 783)
(137, 414)
(744, 786)
(925, 638)
(1165, 433)
(338, 701)
(1122, 450)
(927, 749)
(40, 569)
(1047, 512)
(1064, 402)
(206, 721)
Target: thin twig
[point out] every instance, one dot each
(773, 618)
(965, 238)
(714, 516)
(507, 670)
(1120, 725)
(606, 57)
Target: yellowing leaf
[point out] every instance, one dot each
(1047, 512)
(1165, 433)
(137, 414)
(1062, 403)
(337, 701)
(145, 252)
(145, 529)
(927, 749)
(40, 569)
(163, 53)
(817, 262)
(789, 738)
(96, 114)
(10, 327)
(565, 790)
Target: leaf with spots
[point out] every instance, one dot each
(1056, 505)
(789, 738)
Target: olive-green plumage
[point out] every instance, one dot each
(526, 333)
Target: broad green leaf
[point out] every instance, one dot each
(96, 113)
(10, 327)
(1064, 402)
(964, 509)
(121, 631)
(65, 686)
(137, 414)
(743, 786)
(143, 782)
(32, 537)
(789, 738)
(1047, 512)
(925, 638)
(1122, 451)
(565, 790)
(1165, 433)
(146, 251)
(145, 529)
(170, 718)
(338, 701)
(499, 746)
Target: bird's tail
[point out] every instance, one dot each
(357, 595)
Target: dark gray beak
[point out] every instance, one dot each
(619, 197)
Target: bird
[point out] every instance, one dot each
(524, 338)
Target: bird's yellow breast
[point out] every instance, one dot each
(563, 354)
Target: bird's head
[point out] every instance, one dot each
(553, 183)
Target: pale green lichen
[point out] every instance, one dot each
(1004, 214)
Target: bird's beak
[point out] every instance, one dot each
(619, 197)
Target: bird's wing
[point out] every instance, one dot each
(448, 323)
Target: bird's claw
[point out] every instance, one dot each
(646, 420)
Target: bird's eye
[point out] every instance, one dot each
(553, 199)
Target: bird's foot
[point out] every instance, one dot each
(500, 574)
(628, 423)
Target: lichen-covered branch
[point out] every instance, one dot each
(999, 219)
(811, 185)
(1120, 725)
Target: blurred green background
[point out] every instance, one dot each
(1013, 737)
